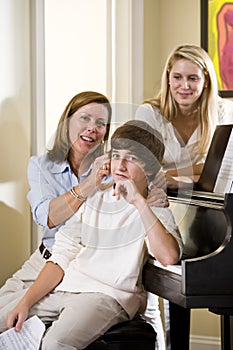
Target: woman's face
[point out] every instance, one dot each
(187, 82)
(87, 127)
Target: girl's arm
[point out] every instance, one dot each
(49, 277)
(191, 171)
(173, 177)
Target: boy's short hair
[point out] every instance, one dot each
(143, 141)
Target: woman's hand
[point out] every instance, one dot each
(100, 169)
(17, 317)
(64, 206)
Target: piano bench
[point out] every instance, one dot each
(136, 334)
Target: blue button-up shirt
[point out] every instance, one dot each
(48, 180)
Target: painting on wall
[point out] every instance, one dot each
(217, 40)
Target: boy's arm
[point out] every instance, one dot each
(66, 247)
(49, 277)
(163, 245)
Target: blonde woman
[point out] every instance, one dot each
(186, 112)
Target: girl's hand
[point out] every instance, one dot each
(157, 197)
(160, 180)
(171, 182)
(177, 183)
(17, 317)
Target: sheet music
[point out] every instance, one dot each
(225, 176)
(28, 338)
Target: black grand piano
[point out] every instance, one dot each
(204, 277)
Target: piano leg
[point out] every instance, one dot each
(226, 332)
(177, 322)
(226, 327)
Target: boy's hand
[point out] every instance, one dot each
(17, 317)
(128, 190)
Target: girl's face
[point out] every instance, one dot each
(187, 82)
(127, 166)
(87, 127)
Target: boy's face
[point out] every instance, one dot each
(125, 165)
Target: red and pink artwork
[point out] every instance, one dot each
(225, 45)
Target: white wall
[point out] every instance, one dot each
(15, 140)
(93, 45)
(76, 46)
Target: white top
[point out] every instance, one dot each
(176, 155)
(102, 248)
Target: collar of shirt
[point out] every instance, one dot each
(58, 168)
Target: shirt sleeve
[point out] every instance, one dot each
(67, 242)
(40, 194)
(148, 114)
(166, 217)
(47, 180)
(225, 111)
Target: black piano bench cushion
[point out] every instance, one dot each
(136, 334)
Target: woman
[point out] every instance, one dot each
(186, 112)
(61, 179)
(99, 253)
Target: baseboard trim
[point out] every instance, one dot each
(205, 343)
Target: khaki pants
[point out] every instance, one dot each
(15, 287)
(77, 318)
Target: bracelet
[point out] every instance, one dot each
(76, 195)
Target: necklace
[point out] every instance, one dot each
(193, 113)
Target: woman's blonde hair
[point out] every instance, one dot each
(62, 144)
(208, 107)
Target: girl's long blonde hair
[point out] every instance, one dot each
(208, 101)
